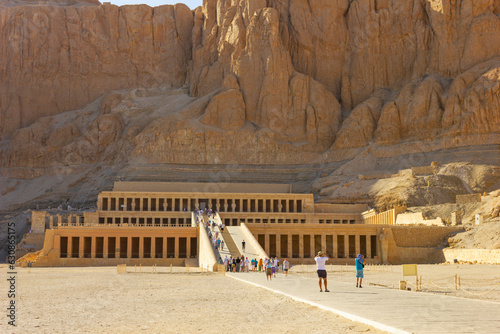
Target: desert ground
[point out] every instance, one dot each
(98, 300)
(475, 281)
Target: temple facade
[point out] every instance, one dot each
(154, 223)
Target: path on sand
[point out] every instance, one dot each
(391, 310)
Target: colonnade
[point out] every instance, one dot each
(116, 202)
(307, 245)
(126, 247)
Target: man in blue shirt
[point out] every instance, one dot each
(360, 264)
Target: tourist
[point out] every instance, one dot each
(255, 267)
(273, 267)
(321, 270)
(360, 264)
(276, 265)
(243, 245)
(252, 262)
(222, 244)
(238, 264)
(260, 263)
(269, 270)
(233, 265)
(286, 266)
(220, 260)
(246, 264)
(226, 261)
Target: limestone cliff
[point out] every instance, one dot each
(244, 82)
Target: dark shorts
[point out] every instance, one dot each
(268, 271)
(321, 273)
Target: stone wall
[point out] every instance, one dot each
(417, 218)
(469, 198)
(422, 171)
(339, 208)
(38, 221)
(421, 236)
(484, 256)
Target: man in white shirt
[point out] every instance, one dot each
(321, 269)
(247, 262)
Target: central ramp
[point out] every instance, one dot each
(252, 248)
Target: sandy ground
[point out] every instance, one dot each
(98, 300)
(473, 281)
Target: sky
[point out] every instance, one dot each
(153, 3)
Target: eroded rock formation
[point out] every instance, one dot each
(249, 81)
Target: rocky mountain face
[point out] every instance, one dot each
(244, 82)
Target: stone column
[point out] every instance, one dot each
(141, 204)
(264, 205)
(153, 247)
(129, 247)
(176, 248)
(346, 245)
(323, 245)
(357, 244)
(93, 247)
(105, 245)
(312, 250)
(81, 250)
(267, 247)
(290, 245)
(141, 247)
(301, 246)
(99, 203)
(217, 204)
(278, 245)
(335, 251)
(368, 247)
(117, 247)
(51, 221)
(164, 247)
(188, 247)
(70, 246)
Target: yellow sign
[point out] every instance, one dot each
(409, 270)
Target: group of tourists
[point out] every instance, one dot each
(271, 266)
(238, 264)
